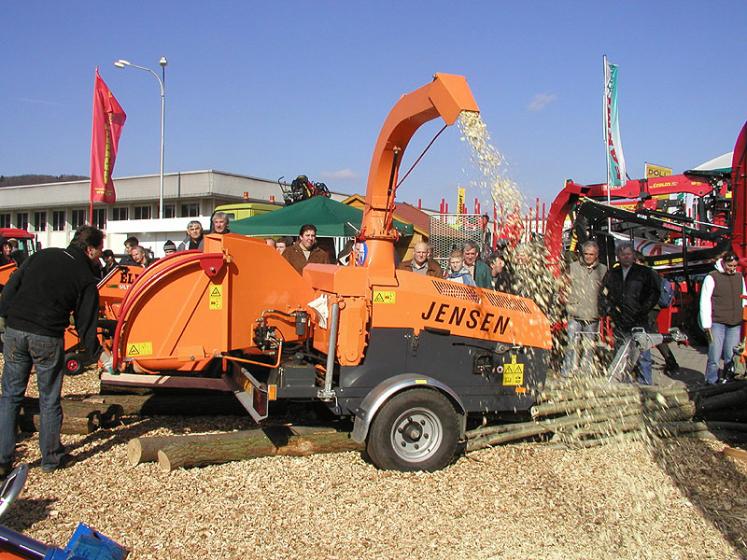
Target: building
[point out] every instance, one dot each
(53, 211)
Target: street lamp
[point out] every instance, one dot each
(163, 62)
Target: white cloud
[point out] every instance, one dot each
(540, 101)
(340, 175)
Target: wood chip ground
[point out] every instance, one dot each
(681, 499)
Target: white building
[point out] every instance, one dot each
(54, 210)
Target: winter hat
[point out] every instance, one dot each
(169, 246)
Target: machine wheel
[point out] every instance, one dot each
(416, 430)
(73, 364)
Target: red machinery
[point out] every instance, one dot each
(680, 235)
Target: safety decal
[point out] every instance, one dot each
(215, 297)
(137, 349)
(513, 373)
(385, 296)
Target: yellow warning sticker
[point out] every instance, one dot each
(385, 296)
(137, 349)
(215, 297)
(513, 373)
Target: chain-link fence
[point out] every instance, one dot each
(450, 231)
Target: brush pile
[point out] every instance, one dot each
(587, 413)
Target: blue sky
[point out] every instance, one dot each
(284, 88)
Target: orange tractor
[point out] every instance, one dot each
(407, 357)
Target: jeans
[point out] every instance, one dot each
(21, 350)
(584, 334)
(723, 340)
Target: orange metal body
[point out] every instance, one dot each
(112, 290)
(5, 271)
(447, 96)
(192, 307)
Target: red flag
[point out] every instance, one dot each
(108, 120)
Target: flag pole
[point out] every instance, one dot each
(605, 119)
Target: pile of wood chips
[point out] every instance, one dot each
(679, 498)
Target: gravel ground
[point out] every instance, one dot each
(682, 499)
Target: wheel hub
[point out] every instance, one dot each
(416, 434)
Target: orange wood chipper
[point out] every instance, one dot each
(112, 290)
(407, 357)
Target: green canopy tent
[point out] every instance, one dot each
(331, 218)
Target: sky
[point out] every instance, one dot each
(283, 88)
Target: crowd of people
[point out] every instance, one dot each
(39, 299)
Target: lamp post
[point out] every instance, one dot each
(163, 62)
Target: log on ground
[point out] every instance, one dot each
(71, 425)
(173, 452)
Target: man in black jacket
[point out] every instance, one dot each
(35, 310)
(629, 292)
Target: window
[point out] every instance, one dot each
(99, 218)
(119, 213)
(5, 220)
(169, 211)
(78, 218)
(22, 220)
(58, 220)
(142, 212)
(190, 209)
(40, 221)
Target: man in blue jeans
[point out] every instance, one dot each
(35, 310)
(721, 313)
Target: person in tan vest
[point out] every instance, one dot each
(305, 250)
(721, 313)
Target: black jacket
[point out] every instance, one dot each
(50, 285)
(629, 302)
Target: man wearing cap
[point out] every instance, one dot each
(110, 263)
(169, 247)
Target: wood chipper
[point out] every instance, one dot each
(408, 357)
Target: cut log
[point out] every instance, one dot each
(706, 391)
(71, 425)
(109, 415)
(725, 400)
(739, 454)
(205, 449)
(145, 449)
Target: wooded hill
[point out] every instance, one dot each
(17, 180)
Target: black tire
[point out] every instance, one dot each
(416, 430)
(73, 364)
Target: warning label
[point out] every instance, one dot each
(135, 349)
(215, 297)
(513, 373)
(384, 296)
